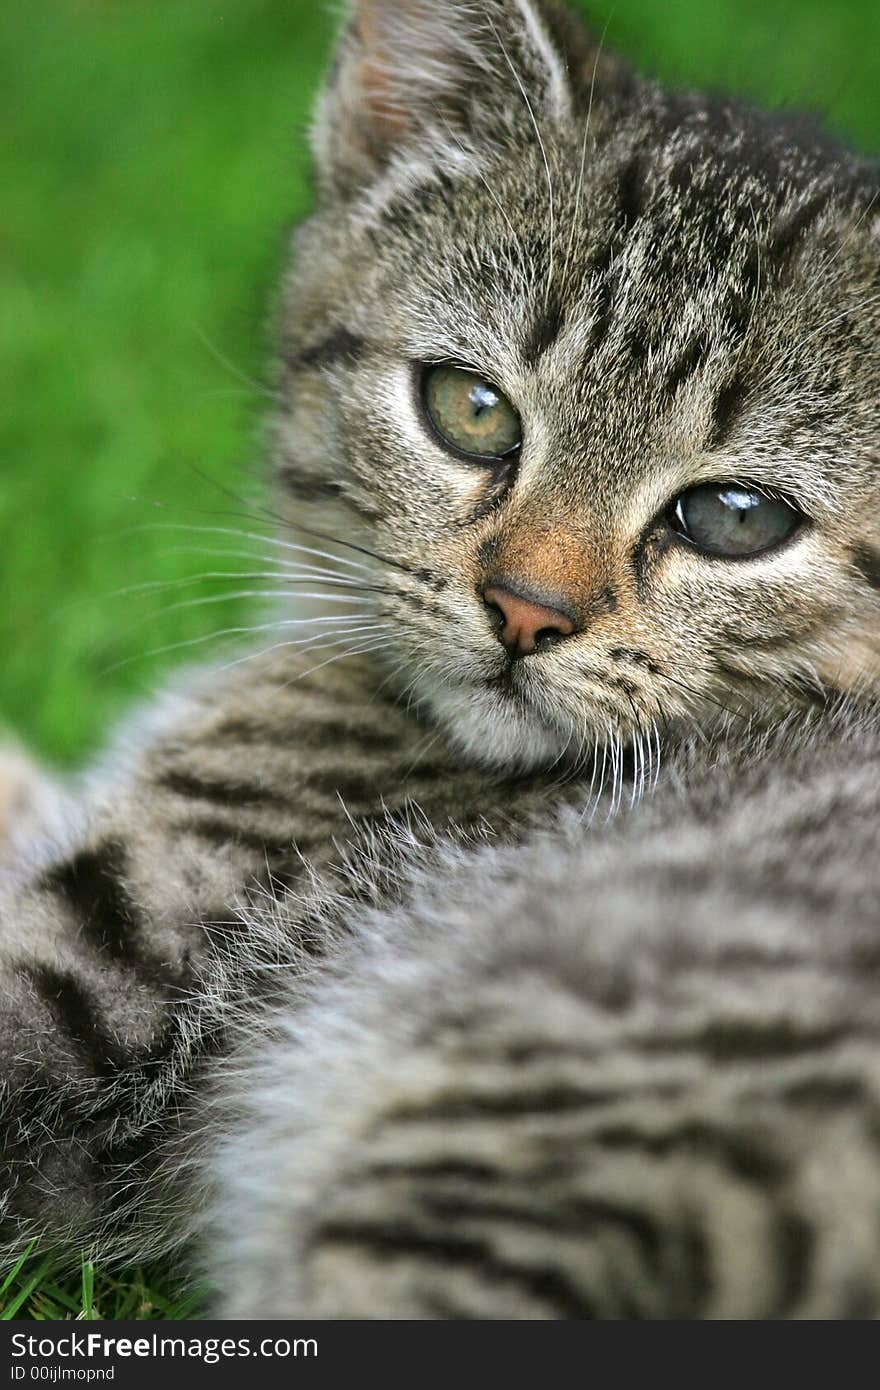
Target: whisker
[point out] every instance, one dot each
(583, 168)
(704, 695)
(247, 535)
(268, 515)
(867, 303)
(190, 581)
(238, 594)
(258, 388)
(482, 177)
(392, 674)
(353, 651)
(542, 147)
(866, 212)
(425, 744)
(295, 566)
(601, 787)
(319, 641)
(241, 631)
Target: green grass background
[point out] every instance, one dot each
(152, 156)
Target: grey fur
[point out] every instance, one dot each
(670, 289)
(631, 1072)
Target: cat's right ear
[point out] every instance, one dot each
(413, 76)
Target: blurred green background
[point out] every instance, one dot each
(152, 155)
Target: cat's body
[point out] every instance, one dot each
(578, 407)
(622, 1071)
(108, 943)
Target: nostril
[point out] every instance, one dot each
(548, 637)
(496, 614)
(522, 624)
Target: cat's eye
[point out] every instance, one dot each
(469, 414)
(732, 519)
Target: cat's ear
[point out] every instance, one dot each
(411, 72)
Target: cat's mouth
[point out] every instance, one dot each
(507, 681)
(503, 718)
(512, 681)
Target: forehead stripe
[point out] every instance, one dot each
(866, 559)
(340, 346)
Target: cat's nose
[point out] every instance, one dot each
(522, 625)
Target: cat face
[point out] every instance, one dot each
(594, 369)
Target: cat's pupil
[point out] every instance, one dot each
(732, 520)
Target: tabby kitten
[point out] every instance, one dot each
(578, 381)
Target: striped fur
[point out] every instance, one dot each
(618, 1074)
(256, 779)
(672, 290)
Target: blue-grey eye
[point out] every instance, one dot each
(470, 414)
(733, 519)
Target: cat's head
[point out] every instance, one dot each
(596, 368)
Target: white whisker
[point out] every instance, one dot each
(583, 168)
(542, 147)
(190, 581)
(256, 387)
(254, 536)
(286, 566)
(318, 641)
(261, 593)
(217, 635)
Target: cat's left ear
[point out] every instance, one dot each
(412, 72)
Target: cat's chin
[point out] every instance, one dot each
(493, 729)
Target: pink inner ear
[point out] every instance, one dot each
(381, 96)
(383, 103)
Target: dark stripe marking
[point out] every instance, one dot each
(308, 489)
(649, 554)
(763, 1039)
(91, 885)
(636, 658)
(742, 1153)
(551, 1100)
(218, 832)
(77, 1013)
(867, 561)
(329, 733)
(583, 1215)
(547, 1284)
(630, 194)
(546, 327)
(794, 1245)
(339, 347)
(788, 235)
(727, 406)
(365, 786)
(689, 362)
(826, 1092)
(225, 793)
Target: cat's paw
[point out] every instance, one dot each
(30, 802)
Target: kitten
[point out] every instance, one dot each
(578, 382)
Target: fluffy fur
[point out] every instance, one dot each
(670, 289)
(631, 1072)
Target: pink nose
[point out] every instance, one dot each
(523, 625)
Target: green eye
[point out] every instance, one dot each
(470, 414)
(732, 519)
